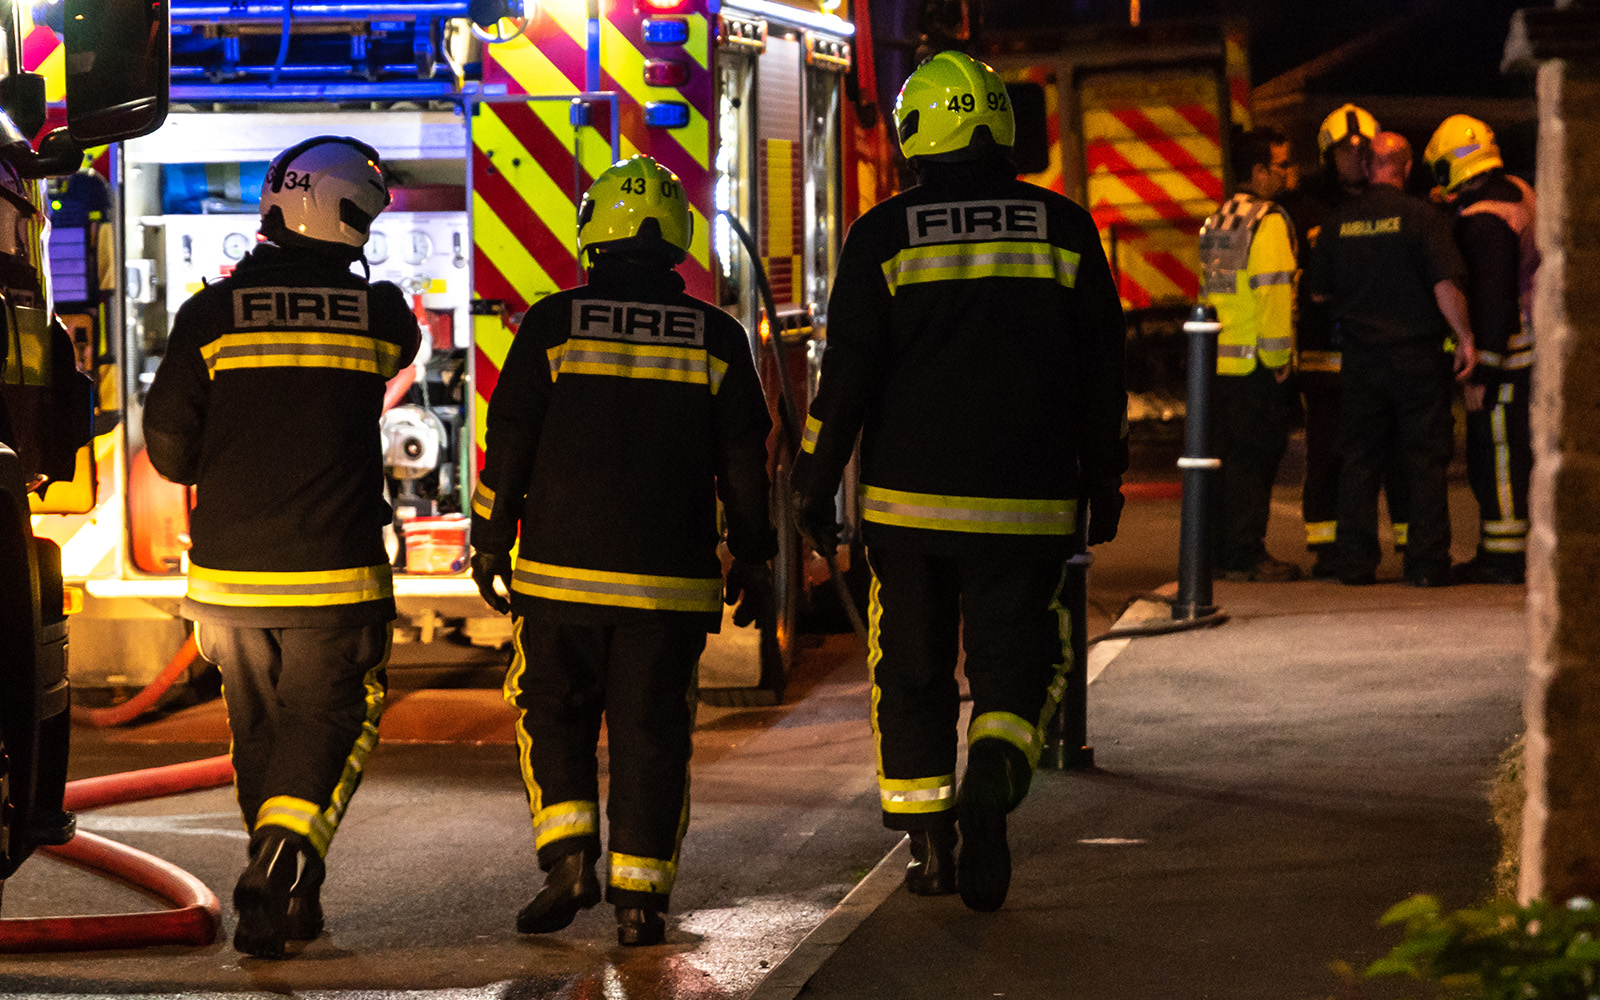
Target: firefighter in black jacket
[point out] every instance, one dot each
(976, 341)
(624, 410)
(1494, 229)
(267, 403)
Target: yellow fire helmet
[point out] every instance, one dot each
(946, 100)
(1347, 124)
(638, 205)
(1462, 147)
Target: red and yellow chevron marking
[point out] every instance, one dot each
(1152, 151)
(1236, 62)
(531, 166)
(43, 53)
(1051, 177)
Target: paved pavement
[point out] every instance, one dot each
(1263, 791)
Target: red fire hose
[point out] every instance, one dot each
(195, 915)
(136, 706)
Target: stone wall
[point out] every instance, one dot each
(1561, 820)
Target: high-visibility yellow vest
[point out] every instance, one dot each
(1248, 258)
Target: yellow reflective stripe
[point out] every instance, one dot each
(629, 590)
(355, 764)
(874, 656)
(483, 501)
(1505, 545)
(29, 353)
(986, 515)
(1502, 462)
(998, 259)
(1319, 361)
(301, 349)
(1321, 532)
(1014, 729)
(318, 588)
(630, 871)
(1402, 532)
(576, 818)
(808, 440)
(1058, 681)
(1506, 527)
(511, 691)
(288, 812)
(917, 795)
(718, 371)
(625, 360)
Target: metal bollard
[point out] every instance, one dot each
(1200, 470)
(1066, 737)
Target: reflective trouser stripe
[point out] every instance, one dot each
(299, 815)
(316, 588)
(1014, 729)
(629, 871)
(1319, 361)
(999, 259)
(511, 692)
(1502, 457)
(808, 440)
(565, 819)
(986, 515)
(917, 795)
(302, 349)
(483, 501)
(1402, 531)
(1321, 532)
(630, 590)
(1507, 527)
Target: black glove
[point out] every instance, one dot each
(749, 586)
(815, 520)
(486, 567)
(1105, 510)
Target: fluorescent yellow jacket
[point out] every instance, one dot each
(1247, 253)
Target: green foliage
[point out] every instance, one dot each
(1497, 951)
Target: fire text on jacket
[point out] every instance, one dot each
(641, 322)
(316, 308)
(976, 221)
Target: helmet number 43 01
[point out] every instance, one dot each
(638, 185)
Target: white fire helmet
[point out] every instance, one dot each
(328, 188)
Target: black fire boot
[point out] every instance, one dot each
(640, 926)
(303, 918)
(932, 871)
(569, 886)
(261, 897)
(997, 778)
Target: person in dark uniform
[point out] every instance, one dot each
(976, 343)
(267, 402)
(1343, 175)
(1388, 266)
(1494, 228)
(1247, 253)
(624, 411)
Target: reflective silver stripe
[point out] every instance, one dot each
(981, 514)
(574, 357)
(1518, 544)
(1520, 340)
(1235, 351)
(808, 440)
(1490, 358)
(565, 819)
(1271, 278)
(483, 501)
(586, 586)
(1510, 527)
(1519, 360)
(1275, 343)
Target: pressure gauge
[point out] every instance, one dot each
(235, 245)
(377, 248)
(420, 248)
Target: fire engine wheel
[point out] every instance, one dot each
(505, 29)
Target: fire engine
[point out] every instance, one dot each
(491, 129)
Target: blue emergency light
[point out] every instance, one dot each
(666, 114)
(666, 30)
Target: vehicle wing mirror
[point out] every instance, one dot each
(118, 60)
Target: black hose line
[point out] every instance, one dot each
(789, 414)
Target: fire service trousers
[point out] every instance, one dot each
(1319, 503)
(1005, 613)
(303, 705)
(642, 680)
(1499, 462)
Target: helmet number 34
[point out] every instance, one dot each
(296, 179)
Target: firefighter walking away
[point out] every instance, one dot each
(267, 402)
(624, 411)
(975, 342)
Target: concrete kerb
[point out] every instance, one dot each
(791, 975)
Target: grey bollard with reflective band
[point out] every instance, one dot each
(1200, 470)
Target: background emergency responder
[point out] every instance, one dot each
(624, 410)
(1342, 176)
(1389, 266)
(975, 340)
(267, 402)
(1494, 229)
(1248, 255)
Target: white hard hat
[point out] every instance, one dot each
(328, 188)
